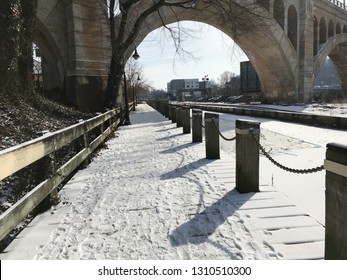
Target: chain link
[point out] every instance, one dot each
(292, 170)
(220, 133)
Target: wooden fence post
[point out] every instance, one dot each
(169, 110)
(247, 156)
(44, 169)
(212, 136)
(173, 114)
(197, 125)
(186, 120)
(179, 116)
(336, 202)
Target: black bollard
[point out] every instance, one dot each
(247, 156)
(212, 136)
(197, 125)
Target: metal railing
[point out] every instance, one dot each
(340, 4)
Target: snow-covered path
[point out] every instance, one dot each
(151, 194)
(140, 190)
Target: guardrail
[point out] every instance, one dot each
(18, 157)
(340, 4)
(286, 116)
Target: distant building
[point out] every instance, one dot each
(250, 82)
(184, 89)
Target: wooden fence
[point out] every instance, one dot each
(16, 158)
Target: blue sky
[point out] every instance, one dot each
(213, 51)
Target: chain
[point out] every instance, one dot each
(292, 170)
(220, 133)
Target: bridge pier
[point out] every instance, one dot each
(306, 49)
(75, 41)
(88, 54)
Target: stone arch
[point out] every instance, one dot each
(322, 31)
(280, 80)
(345, 29)
(293, 26)
(315, 36)
(331, 29)
(279, 12)
(338, 28)
(336, 49)
(265, 4)
(52, 64)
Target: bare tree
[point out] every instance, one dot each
(9, 46)
(136, 79)
(17, 24)
(126, 19)
(225, 77)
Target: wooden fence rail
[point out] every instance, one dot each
(16, 158)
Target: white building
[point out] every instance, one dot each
(186, 87)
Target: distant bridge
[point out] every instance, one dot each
(287, 53)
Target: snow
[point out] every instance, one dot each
(333, 109)
(151, 194)
(296, 146)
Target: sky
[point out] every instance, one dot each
(213, 53)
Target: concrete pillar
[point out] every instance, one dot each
(336, 202)
(212, 136)
(305, 74)
(88, 54)
(197, 125)
(247, 156)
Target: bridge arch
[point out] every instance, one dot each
(336, 49)
(331, 29)
(74, 37)
(279, 12)
(322, 31)
(279, 80)
(293, 26)
(265, 4)
(53, 68)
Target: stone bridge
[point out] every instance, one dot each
(287, 49)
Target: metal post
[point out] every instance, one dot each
(127, 119)
(212, 136)
(336, 202)
(247, 156)
(134, 99)
(197, 125)
(179, 116)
